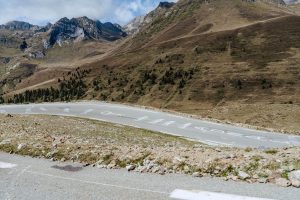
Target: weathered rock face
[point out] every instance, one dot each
(133, 26)
(18, 25)
(83, 28)
(166, 4)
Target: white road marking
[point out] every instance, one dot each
(168, 123)
(234, 134)
(28, 110)
(254, 137)
(185, 125)
(203, 195)
(4, 165)
(96, 183)
(67, 110)
(106, 113)
(203, 129)
(87, 111)
(43, 109)
(141, 118)
(3, 111)
(217, 130)
(156, 121)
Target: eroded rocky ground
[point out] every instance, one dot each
(107, 145)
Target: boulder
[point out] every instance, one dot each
(243, 175)
(294, 175)
(283, 182)
(130, 167)
(21, 146)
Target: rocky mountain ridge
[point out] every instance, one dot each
(65, 31)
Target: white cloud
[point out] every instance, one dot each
(42, 11)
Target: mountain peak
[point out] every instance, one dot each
(17, 25)
(165, 4)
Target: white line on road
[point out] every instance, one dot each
(185, 125)
(67, 110)
(254, 137)
(202, 129)
(141, 118)
(96, 183)
(168, 123)
(234, 134)
(28, 110)
(4, 165)
(217, 130)
(87, 111)
(43, 109)
(156, 121)
(203, 195)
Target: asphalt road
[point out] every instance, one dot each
(206, 132)
(25, 178)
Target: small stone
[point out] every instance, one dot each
(296, 183)
(155, 169)
(21, 146)
(262, 180)
(130, 167)
(197, 174)
(282, 182)
(186, 168)
(243, 175)
(4, 142)
(111, 166)
(178, 160)
(101, 166)
(143, 169)
(255, 176)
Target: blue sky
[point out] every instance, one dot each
(42, 11)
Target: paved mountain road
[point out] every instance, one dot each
(206, 132)
(27, 178)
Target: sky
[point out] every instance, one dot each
(40, 12)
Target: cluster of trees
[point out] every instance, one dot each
(69, 89)
(171, 76)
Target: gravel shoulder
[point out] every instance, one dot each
(113, 146)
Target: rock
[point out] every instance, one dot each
(262, 180)
(130, 167)
(295, 175)
(142, 169)
(5, 142)
(112, 165)
(255, 176)
(295, 183)
(177, 160)
(50, 154)
(37, 146)
(197, 174)
(283, 182)
(101, 166)
(186, 168)
(21, 146)
(243, 175)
